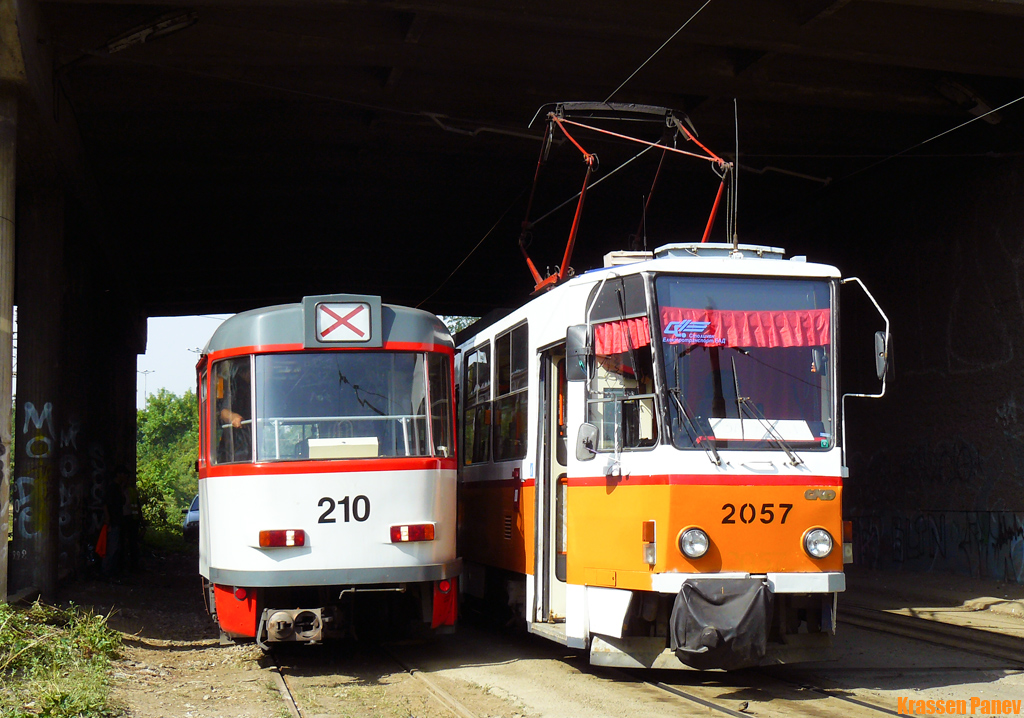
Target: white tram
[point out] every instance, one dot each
(652, 458)
(327, 469)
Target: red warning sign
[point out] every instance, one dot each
(346, 322)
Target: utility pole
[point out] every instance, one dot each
(8, 132)
(145, 394)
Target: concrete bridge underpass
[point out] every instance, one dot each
(166, 159)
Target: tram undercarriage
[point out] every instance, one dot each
(758, 627)
(668, 631)
(316, 613)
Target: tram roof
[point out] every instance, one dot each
(752, 261)
(746, 263)
(283, 324)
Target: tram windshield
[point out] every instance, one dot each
(747, 362)
(341, 405)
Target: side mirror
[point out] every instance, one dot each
(818, 360)
(883, 354)
(577, 352)
(585, 440)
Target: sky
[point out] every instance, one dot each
(172, 350)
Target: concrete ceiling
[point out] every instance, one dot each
(268, 150)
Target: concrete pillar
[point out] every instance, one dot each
(35, 488)
(80, 456)
(8, 131)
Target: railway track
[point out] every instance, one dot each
(713, 695)
(283, 688)
(716, 697)
(964, 638)
(442, 697)
(739, 694)
(775, 695)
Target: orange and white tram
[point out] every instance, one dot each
(327, 470)
(652, 459)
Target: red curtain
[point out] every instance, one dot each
(736, 328)
(610, 337)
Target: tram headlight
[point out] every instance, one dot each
(693, 542)
(818, 543)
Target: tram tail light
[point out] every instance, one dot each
(276, 539)
(412, 532)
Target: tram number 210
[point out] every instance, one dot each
(360, 509)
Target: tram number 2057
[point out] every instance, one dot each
(748, 512)
(357, 508)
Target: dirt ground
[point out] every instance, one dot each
(174, 665)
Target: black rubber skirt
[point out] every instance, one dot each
(721, 623)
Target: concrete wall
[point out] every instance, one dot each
(975, 543)
(936, 467)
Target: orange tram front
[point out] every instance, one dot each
(327, 471)
(652, 460)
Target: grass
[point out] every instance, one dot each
(54, 662)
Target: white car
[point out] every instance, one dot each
(190, 526)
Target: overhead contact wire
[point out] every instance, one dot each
(595, 183)
(932, 139)
(670, 39)
(475, 247)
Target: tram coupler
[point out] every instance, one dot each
(298, 625)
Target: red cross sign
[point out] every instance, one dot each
(347, 322)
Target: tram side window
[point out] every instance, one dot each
(232, 411)
(621, 392)
(204, 427)
(510, 376)
(476, 427)
(440, 404)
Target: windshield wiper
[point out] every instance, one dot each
(703, 441)
(739, 403)
(755, 413)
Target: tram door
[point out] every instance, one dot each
(552, 488)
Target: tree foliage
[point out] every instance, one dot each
(167, 443)
(456, 324)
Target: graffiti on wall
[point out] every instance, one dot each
(69, 511)
(27, 499)
(983, 544)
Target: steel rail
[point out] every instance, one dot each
(437, 692)
(283, 688)
(700, 701)
(832, 693)
(963, 638)
(742, 712)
